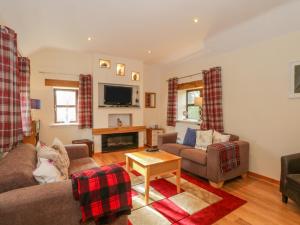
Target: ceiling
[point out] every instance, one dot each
(126, 28)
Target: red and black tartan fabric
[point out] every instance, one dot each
(212, 113)
(24, 73)
(10, 112)
(229, 153)
(172, 102)
(104, 193)
(85, 101)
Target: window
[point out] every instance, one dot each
(191, 108)
(65, 105)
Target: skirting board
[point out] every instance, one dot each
(264, 178)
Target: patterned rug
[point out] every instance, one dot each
(198, 202)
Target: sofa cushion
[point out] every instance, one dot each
(195, 155)
(78, 165)
(17, 167)
(173, 148)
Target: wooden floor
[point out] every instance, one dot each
(263, 205)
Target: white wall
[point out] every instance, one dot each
(60, 61)
(153, 83)
(256, 106)
(75, 63)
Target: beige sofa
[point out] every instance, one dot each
(205, 163)
(24, 202)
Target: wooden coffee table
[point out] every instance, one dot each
(153, 164)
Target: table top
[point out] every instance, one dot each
(150, 158)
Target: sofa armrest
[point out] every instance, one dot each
(214, 173)
(166, 138)
(289, 164)
(45, 204)
(77, 151)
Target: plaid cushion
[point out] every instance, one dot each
(24, 72)
(229, 153)
(104, 193)
(212, 114)
(172, 102)
(85, 101)
(10, 112)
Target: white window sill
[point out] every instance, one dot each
(63, 124)
(188, 121)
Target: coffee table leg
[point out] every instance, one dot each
(127, 164)
(147, 183)
(178, 175)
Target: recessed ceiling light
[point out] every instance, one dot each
(195, 20)
(149, 51)
(89, 38)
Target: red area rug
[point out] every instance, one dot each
(197, 203)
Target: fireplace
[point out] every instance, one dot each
(112, 142)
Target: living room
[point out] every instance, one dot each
(111, 80)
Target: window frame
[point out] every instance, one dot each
(65, 106)
(187, 98)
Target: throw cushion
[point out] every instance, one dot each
(47, 172)
(204, 138)
(56, 153)
(190, 137)
(63, 161)
(218, 137)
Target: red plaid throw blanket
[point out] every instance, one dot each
(104, 193)
(229, 153)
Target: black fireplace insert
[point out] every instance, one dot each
(114, 142)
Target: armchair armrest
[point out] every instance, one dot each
(289, 164)
(166, 138)
(77, 151)
(214, 173)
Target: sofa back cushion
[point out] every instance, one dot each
(17, 167)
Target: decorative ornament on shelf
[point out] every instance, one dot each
(103, 63)
(120, 69)
(135, 76)
(119, 122)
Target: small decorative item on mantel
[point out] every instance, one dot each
(120, 69)
(104, 63)
(119, 122)
(135, 76)
(295, 80)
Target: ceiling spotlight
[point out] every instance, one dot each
(195, 20)
(149, 51)
(89, 38)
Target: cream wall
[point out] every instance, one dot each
(75, 63)
(256, 106)
(152, 83)
(59, 61)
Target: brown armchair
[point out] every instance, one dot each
(290, 178)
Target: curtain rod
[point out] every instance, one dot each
(191, 75)
(69, 74)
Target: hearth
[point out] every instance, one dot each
(113, 142)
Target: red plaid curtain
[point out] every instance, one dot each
(172, 102)
(212, 113)
(10, 112)
(85, 101)
(24, 72)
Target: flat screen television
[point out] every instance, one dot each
(117, 95)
